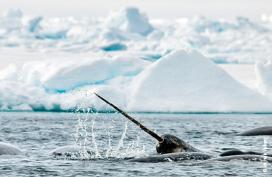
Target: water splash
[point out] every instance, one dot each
(97, 154)
(98, 139)
(125, 148)
(82, 134)
(121, 141)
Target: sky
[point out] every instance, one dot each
(153, 8)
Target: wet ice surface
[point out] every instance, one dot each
(39, 133)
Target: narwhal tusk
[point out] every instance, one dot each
(150, 132)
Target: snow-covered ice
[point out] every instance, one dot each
(223, 41)
(199, 84)
(140, 64)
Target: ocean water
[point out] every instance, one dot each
(112, 139)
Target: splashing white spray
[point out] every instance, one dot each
(90, 137)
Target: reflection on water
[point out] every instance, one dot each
(265, 151)
(104, 140)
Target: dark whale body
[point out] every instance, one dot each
(179, 156)
(173, 144)
(239, 152)
(258, 131)
(198, 156)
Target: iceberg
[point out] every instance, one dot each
(59, 83)
(188, 82)
(60, 74)
(88, 72)
(130, 20)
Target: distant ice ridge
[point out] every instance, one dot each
(130, 20)
(129, 29)
(182, 81)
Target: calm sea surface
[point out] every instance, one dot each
(111, 139)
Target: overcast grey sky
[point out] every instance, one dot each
(153, 8)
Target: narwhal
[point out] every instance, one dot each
(258, 131)
(173, 148)
(166, 143)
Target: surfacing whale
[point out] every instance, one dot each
(199, 157)
(178, 156)
(239, 152)
(258, 131)
(172, 148)
(166, 143)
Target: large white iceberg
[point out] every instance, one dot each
(188, 82)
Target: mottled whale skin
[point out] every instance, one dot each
(198, 156)
(65, 151)
(178, 156)
(71, 152)
(8, 149)
(258, 131)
